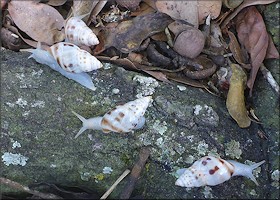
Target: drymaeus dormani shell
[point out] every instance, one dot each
(78, 33)
(121, 119)
(211, 171)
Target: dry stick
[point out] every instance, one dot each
(135, 173)
(110, 190)
(18, 186)
(268, 76)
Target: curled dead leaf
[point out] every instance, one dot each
(251, 32)
(129, 35)
(10, 40)
(235, 99)
(243, 5)
(235, 49)
(40, 21)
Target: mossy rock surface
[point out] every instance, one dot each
(181, 126)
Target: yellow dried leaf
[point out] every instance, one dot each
(235, 99)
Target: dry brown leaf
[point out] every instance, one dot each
(181, 10)
(158, 75)
(40, 21)
(177, 27)
(56, 2)
(235, 99)
(243, 5)
(253, 35)
(81, 7)
(232, 3)
(235, 49)
(10, 40)
(129, 35)
(210, 7)
(131, 5)
(124, 62)
(27, 41)
(143, 10)
(271, 52)
(180, 78)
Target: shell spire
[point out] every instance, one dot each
(77, 32)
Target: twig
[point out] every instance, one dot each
(135, 173)
(18, 186)
(178, 60)
(268, 76)
(110, 190)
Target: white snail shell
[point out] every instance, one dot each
(211, 171)
(73, 59)
(46, 58)
(121, 119)
(77, 32)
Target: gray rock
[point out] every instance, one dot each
(38, 129)
(38, 132)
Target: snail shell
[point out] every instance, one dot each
(77, 32)
(211, 171)
(123, 118)
(73, 59)
(45, 57)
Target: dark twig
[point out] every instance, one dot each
(157, 57)
(18, 186)
(178, 60)
(135, 173)
(201, 74)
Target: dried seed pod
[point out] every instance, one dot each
(122, 119)
(73, 59)
(210, 170)
(77, 32)
(189, 43)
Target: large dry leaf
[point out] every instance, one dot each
(193, 12)
(40, 21)
(253, 35)
(128, 35)
(181, 10)
(243, 5)
(210, 7)
(235, 99)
